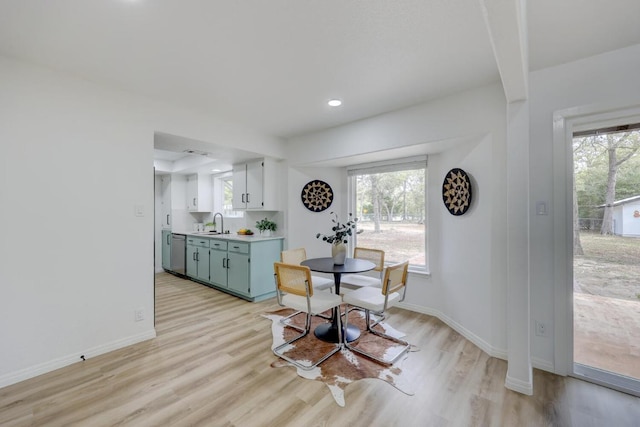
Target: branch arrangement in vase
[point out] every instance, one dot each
(340, 231)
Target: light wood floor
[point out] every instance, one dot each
(209, 366)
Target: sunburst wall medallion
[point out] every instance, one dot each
(456, 191)
(317, 195)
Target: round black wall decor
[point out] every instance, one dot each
(456, 191)
(317, 195)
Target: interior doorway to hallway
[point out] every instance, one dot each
(606, 256)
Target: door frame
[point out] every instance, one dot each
(565, 123)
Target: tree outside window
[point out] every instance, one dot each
(391, 207)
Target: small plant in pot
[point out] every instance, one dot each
(266, 226)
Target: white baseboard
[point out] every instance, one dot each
(51, 365)
(484, 346)
(514, 384)
(524, 387)
(542, 364)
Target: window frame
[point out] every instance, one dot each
(394, 165)
(218, 195)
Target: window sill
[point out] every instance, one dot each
(419, 272)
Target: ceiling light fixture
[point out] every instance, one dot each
(335, 102)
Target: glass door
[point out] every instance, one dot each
(606, 260)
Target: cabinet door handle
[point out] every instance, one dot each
(168, 219)
(168, 235)
(224, 265)
(243, 198)
(228, 262)
(247, 197)
(194, 256)
(194, 201)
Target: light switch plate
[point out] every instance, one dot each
(541, 208)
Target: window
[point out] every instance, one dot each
(390, 202)
(223, 194)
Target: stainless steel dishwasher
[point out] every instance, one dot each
(178, 253)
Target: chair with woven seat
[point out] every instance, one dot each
(294, 289)
(354, 281)
(377, 301)
(296, 256)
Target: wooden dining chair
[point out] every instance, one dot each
(377, 301)
(294, 289)
(355, 281)
(296, 256)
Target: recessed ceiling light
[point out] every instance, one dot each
(335, 103)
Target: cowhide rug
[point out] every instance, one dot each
(345, 366)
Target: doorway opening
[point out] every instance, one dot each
(606, 254)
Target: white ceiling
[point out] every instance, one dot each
(272, 65)
(176, 154)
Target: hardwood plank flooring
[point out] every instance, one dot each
(210, 366)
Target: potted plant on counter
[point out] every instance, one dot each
(266, 227)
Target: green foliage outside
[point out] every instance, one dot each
(400, 196)
(391, 208)
(591, 163)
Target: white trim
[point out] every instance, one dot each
(492, 351)
(524, 387)
(545, 365)
(607, 379)
(419, 271)
(564, 123)
(43, 368)
(393, 165)
(476, 340)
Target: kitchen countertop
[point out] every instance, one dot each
(232, 236)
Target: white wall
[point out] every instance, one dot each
(629, 224)
(604, 83)
(303, 224)
(75, 262)
(467, 255)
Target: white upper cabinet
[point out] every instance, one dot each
(199, 193)
(239, 186)
(165, 201)
(254, 185)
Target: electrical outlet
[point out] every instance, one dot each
(139, 313)
(541, 329)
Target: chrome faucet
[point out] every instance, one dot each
(221, 221)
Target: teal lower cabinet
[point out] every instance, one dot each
(218, 263)
(239, 268)
(244, 269)
(198, 258)
(166, 249)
